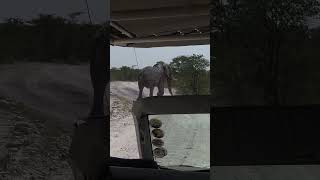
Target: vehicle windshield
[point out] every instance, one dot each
(184, 140)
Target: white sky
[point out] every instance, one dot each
(124, 56)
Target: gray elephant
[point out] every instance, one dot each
(155, 76)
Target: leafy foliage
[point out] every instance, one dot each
(124, 73)
(47, 38)
(254, 46)
(191, 74)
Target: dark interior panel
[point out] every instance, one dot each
(265, 135)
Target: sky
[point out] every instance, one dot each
(124, 56)
(27, 9)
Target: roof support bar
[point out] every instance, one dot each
(122, 30)
(160, 13)
(161, 39)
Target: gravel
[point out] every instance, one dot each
(29, 152)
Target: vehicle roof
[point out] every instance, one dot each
(153, 23)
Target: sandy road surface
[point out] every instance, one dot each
(24, 140)
(61, 91)
(123, 136)
(123, 140)
(62, 94)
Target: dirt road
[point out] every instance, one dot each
(122, 133)
(61, 91)
(46, 100)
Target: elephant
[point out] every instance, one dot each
(155, 76)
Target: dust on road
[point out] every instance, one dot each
(27, 149)
(61, 91)
(122, 130)
(41, 102)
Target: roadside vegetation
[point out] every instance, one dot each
(47, 38)
(266, 52)
(191, 73)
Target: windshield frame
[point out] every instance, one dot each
(142, 108)
(187, 164)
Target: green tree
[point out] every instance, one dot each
(124, 73)
(47, 38)
(259, 31)
(191, 74)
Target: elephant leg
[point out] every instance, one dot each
(151, 91)
(160, 90)
(140, 93)
(140, 90)
(169, 86)
(170, 92)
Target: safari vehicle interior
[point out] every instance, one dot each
(143, 24)
(154, 108)
(242, 134)
(151, 167)
(158, 24)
